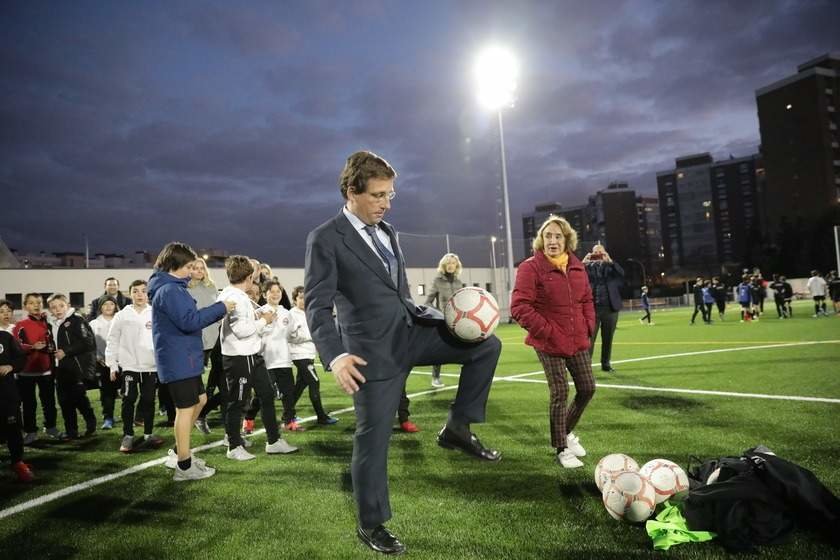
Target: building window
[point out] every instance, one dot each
(16, 300)
(77, 299)
(489, 287)
(421, 289)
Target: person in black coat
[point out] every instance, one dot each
(698, 300)
(606, 277)
(75, 364)
(112, 289)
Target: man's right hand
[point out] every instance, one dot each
(346, 375)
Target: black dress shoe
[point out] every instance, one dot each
(608, 369)
(449, 440)
(381, 540)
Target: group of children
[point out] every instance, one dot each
(159, 343)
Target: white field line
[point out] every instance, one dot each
(47, 498)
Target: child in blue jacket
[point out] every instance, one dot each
(179, 353)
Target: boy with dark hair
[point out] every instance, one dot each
(745, 298)
(75, 365)
(699, 306)
(179, 353)
(787, 291)
(33, 333)
(818, 288)
(645, 307)
(130, 356)
(12, 360)
(7, 312)
(242, 363)
(779, 297)
(719, 293)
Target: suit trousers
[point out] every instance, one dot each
(605, 320)
(376, 403)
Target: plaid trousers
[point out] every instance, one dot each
(563, 419)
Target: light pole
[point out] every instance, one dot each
(493, 258)
(644, 276)
(496, 73)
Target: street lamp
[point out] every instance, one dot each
(496, 72)
(493, 257)
(644, 276)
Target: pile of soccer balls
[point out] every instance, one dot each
(630, 493)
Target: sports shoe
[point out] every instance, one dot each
(437, 383)
(202, 426)
(172, 460)
(152, 441)
(327, 421)
(409, 427)
(279, 446)
(23, 472)
(52, 432)
(245, 442)
(240, 454)
(30, 438)
(248, 426)
(573, 445)
(293, 426)
(568, 460)
(195, 472)
(108, 424)
(127, 445)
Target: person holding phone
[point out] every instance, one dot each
(606, 277)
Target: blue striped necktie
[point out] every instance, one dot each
(387, 256)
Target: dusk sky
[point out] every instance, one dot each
(226, 124)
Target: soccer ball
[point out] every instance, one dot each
(630, 497)
(612, 465)
(472, 314)
(667, 478)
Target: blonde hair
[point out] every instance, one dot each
(207, 282)
(568, 232)
(445, 259)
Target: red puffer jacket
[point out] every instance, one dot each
(554, 307)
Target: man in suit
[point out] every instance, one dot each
(605, 277)
(354, 263)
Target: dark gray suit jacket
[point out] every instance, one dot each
(371, 312)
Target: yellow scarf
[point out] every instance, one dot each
(559, 262)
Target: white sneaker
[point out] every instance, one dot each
(172, 460)
(279, 446)
(240, 454)
(245, 442)
(195, 472)
(568, 460)
(436, 382)
(573, 445)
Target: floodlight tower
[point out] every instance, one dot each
(496, 72)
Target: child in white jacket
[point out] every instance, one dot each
(242, 363)
(303, 353)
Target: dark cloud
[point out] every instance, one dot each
(226, 126)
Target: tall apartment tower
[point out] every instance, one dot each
(800, 142)
(685, 203)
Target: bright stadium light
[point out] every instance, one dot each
(496, 71)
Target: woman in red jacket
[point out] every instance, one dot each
(552, 300)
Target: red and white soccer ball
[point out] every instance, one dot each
(472, 314)
(611, 466)
(630, 497)
(667, 478)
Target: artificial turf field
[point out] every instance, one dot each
(445, 504)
